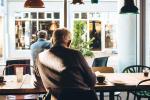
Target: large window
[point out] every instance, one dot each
(27, 24)
(100, 27)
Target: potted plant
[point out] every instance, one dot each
(78, 42)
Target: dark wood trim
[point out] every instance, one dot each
(142, 31)
(65, 13)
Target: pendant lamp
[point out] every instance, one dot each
(77, 1)
(34, 4)
(129, 7)
(94, 1)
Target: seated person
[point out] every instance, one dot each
(39, 46)
(64, 68)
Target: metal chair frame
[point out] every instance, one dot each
(101, 61)
(134, 69)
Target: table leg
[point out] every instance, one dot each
(101, 96)
(111, 96)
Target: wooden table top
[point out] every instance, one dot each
(129, 82)
(11, 86)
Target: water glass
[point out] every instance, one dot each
(19, 74)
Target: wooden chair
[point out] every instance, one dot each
(10, 69)
(12, 64)
(104, 69)
(135, 69)
(98, 62)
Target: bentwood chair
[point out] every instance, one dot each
(101, 61)
(104, 69)
(143, 94)
(135, 69)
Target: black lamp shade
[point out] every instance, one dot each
(129, 7)
(77, 1)
(94, 1)
(34, 4)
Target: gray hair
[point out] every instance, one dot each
(42, 34)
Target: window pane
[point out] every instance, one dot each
(83, 15)
(95, 32)
(25, 33)
(56, 16)
(49, 15)
(41, 15)
(76, 15)
(49, 26)
(33, 15)
(25, 15)
(108, 36)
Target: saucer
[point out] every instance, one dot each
(118, 82)
(104, 83)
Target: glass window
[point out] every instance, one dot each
(33, 15)
(49, 15)
(76, 15)
(100, 28)
(95, 34)
(83, 15)
(41, 15)
(56, 15)
(2, 2)
(26, 30)
(25, 15)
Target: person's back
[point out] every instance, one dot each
(39, 46)
(62, 68)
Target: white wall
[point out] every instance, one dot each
(127, 39)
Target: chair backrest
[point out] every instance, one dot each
(102, 61)
(103, 69)
(77, 94)
(135, 69)
(11, 65)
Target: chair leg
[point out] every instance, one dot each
(148, 98)
(134, 97)
(127, 96)
(138, 98)
(119, 97)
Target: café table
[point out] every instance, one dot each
(121, 82)
(12, 87)
(129, 80)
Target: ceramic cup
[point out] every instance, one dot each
(146, 72)
(100, 78)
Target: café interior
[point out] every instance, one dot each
(114, 38)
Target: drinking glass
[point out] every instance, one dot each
(19, 74)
